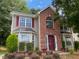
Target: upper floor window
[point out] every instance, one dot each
(25, 22)
(49, 22)
(28, 22)
(22, 21)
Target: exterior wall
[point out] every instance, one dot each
(44, 30)
(75, 36)
(14, 20)
(18, 32)
(67, 38)
(13, 25)
(36, 28)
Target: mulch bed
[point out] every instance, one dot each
(29, 55)
(40, 55)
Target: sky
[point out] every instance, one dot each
(38, 4)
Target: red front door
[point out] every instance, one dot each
(51, 41)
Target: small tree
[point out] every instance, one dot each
(12, 43)
(76, 45)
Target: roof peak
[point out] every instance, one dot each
(49, 6)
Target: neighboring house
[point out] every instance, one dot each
(41, 29)
(67, 37)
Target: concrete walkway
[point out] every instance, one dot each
(1, 56)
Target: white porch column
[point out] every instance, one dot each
(56, 46)
(47, 43)
(19, 37)
(34, 41)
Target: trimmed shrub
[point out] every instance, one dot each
(22, 46)
(71, 51)
(36, 49)
(19, 56)
(34, 56)
(39, 53)
(76, 45)
(56, 56)
(30, 53)
(9, 56)
(12, 43)
(48, 57)
(63, 44)
(49, 53)
(30, 47)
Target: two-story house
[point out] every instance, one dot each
(41, 29)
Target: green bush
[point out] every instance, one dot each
(71, 51)
(12, 43)
(48, 57)
(76, 45)
(39, 53)
(36, 49)
(22, 46)
(30, 47)
(63, 44)
(35, 56)
(56, 56)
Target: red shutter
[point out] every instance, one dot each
(33, 22)
(17, 21)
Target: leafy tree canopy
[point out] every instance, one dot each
(34, 11)
(6, 6)
(70, 10)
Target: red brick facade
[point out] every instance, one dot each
(55, 30)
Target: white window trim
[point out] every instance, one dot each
(56, 44)
(31, 22)
(25, 21)
(47, 43)
(20, 21)
(20, 37)
(53, 22)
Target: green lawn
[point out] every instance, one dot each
(3, 50)
(1, 53)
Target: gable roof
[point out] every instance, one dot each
(50, 6)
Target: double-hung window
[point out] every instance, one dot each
(25, 22)
(49, 22)
(22, 21)
(29, 22)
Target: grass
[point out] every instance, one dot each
(3, 50)
(1, 53)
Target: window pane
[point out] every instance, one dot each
(49, 22)
(68, 43)
(28, 22)
(26, 38)
(22, 21)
